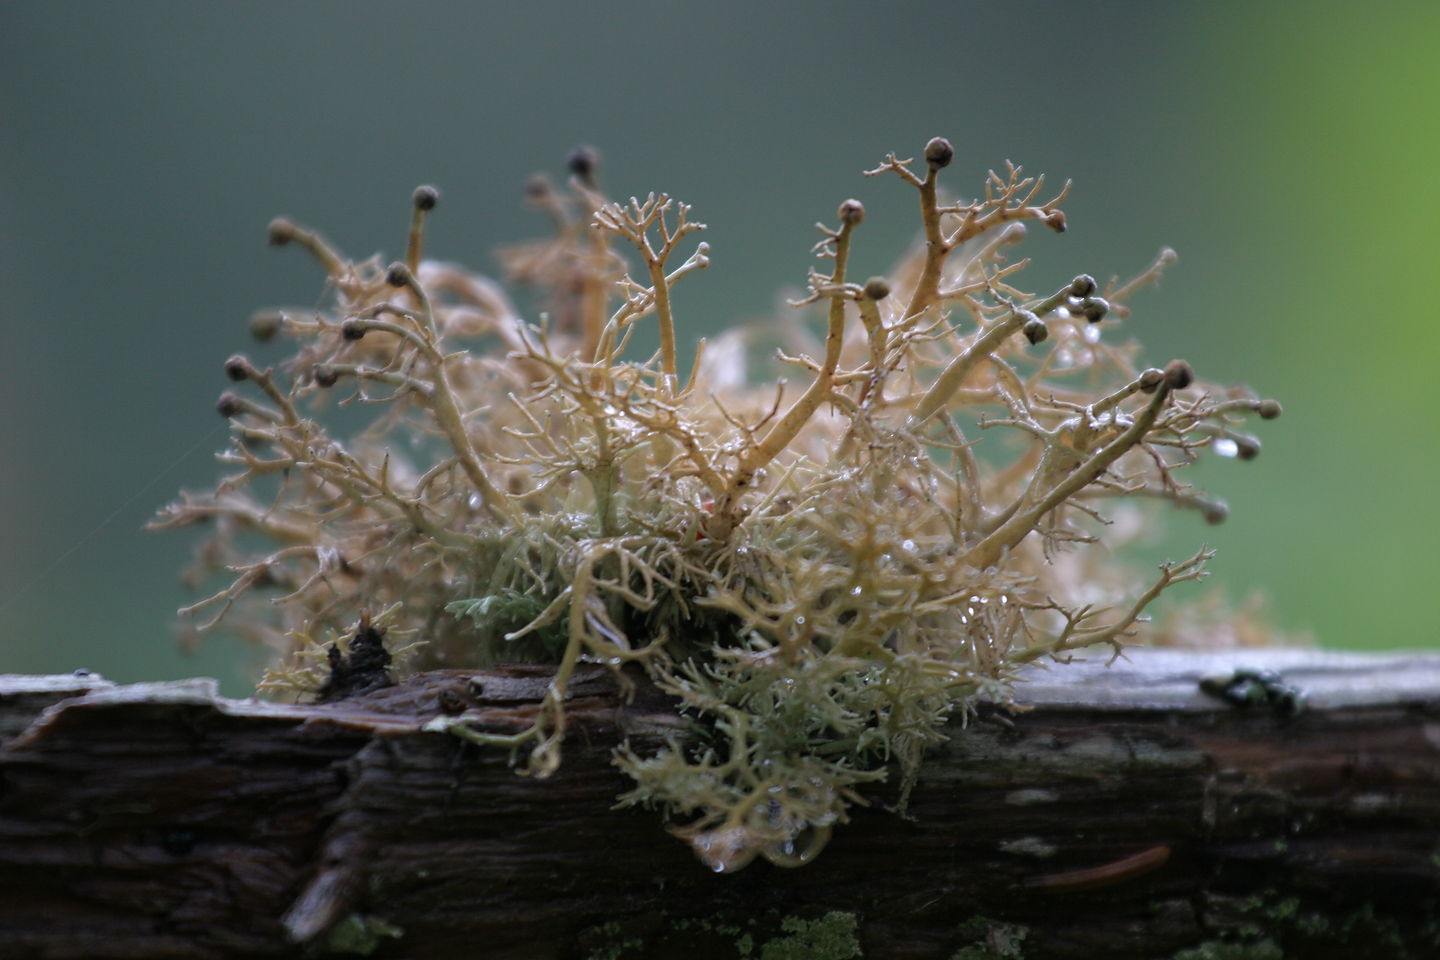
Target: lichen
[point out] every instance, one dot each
(612, 944)
(1363, 931)
(831, 937)
(1230, 950)
(992, 940)
(821, 577)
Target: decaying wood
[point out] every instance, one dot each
(1121, 813)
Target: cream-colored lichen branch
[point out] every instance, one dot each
(784, 431)
(820, 578)
(634, 223)
(1007, 199)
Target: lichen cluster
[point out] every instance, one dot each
(821, 575)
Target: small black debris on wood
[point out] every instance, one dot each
(366, 668)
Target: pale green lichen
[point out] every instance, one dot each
(821, 578)
(993, 940)
(831, 937)
(1229, 950)
(613, 946)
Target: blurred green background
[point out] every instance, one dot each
(1287, 151)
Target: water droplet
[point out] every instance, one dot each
(475, 503)
(856, 590)
(800, 621)
(1004, 599)
(908, 546)
(1091, 332)
(1225, 447)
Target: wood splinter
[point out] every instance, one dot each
(1093, 878)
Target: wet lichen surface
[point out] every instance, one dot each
(822, 565)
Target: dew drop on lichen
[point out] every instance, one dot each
(1225, 447)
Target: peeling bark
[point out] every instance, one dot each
(1121, 813)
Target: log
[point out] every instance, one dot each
(1113, 812)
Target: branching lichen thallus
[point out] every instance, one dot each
(819, 576)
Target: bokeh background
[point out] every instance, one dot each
(1286, 150)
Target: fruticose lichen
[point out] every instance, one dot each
(821, 575)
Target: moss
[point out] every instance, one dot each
(1284, 910)
(610, 946)
(714, 923)
(1364, 932)
(831, 937)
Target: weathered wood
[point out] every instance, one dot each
(1121, 813)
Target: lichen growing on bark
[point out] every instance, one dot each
(821, 567)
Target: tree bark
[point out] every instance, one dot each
(1115, 812)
